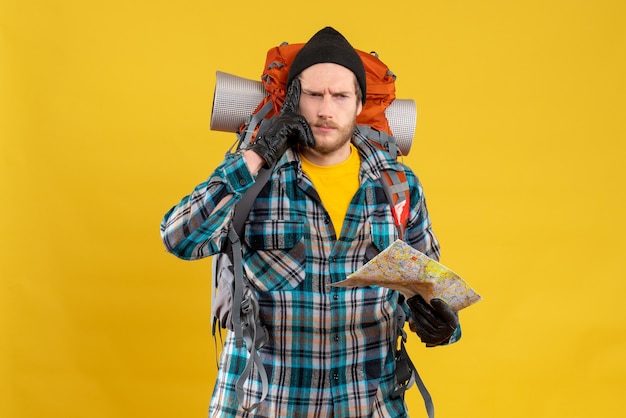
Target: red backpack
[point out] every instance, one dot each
(380, 80)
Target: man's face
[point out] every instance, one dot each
(329, 104)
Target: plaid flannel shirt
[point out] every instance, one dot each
(331, 349)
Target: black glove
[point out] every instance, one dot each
(434, 323)
(286, 129)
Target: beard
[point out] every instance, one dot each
(328, 144)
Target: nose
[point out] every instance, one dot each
(326, 105)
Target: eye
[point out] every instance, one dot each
(311, 94)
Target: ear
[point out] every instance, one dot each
(359, 108)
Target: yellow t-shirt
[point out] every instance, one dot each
(335, 184)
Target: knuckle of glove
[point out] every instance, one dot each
(286, 129)
(296, 128)
(267, 147)
(434, 336)
(306, 136)
(446, 313)
(434, 325)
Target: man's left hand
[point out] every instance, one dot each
(434, 323)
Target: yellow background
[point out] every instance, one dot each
(104, 126)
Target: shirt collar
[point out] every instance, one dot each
(373, 159)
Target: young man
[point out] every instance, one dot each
(322, 215)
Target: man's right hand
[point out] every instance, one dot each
(285, 130)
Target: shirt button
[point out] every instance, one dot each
(242, 182)
(336, 337)
(335, 376)
(335, 297)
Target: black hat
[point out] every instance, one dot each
(328, 45)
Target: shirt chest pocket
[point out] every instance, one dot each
(383, 233)
(276, 254)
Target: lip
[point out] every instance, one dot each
(324, 128)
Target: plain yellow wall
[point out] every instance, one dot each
(104, 126)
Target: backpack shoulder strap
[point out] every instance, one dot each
(246, 328)
(381, 138)
(242, 209)
(396, 188)
(394, 182)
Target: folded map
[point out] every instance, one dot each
(405, 269)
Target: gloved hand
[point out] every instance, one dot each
(286, 129)
(434, 323)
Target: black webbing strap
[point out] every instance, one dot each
(242, 208)
(406, 373)
(241, 211)
(250, 319)
(428, 400)
(235, 245)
